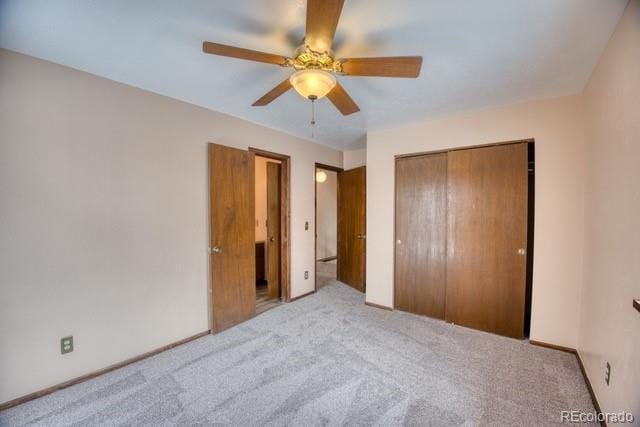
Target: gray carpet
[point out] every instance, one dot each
(327, 359)
(326, 273)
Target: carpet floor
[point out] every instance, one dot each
(328, 359)
(326, 273)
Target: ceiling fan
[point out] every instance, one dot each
(315, 64)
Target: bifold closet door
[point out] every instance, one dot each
(421, 235)
(487, 238)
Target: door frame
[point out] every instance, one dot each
(285, 218)
(465, 147)
(447, 150)
(315, 215)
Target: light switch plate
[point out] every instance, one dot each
(66, 345)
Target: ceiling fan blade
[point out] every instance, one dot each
(341, 99)
(392, 66)
(273, 93)
(322, 20)
(238, 52)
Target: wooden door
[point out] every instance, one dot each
(273, 230)
(421, 235)
(232, 211)
(352, 227)
(487, 237)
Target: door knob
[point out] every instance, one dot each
(521, 251)
(361, 236)
(272, 239)
(216, 249)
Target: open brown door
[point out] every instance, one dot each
(352, 224)
(487, 238)
(232, 210)
(273, 230)
(421, 235)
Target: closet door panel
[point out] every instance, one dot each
(421, 233)
(487, 237)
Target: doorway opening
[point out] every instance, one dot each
(232, 245)
(326, 224)
(271, 218)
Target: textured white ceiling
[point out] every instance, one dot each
(477, 54)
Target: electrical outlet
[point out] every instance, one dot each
(66, 345)
(306, 275)
(607, 373)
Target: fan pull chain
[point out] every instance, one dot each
(313, 115)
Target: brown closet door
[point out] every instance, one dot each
(352, 227)
(233, 280)
(487, 236)
(273, 230)
(421, 235)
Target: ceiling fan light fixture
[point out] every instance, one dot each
(313, 84)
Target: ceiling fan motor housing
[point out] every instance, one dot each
(306, 58)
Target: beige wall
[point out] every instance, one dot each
(104, 218)
(327, 216)
(355, 158)
(609, 325)
(556, 125)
